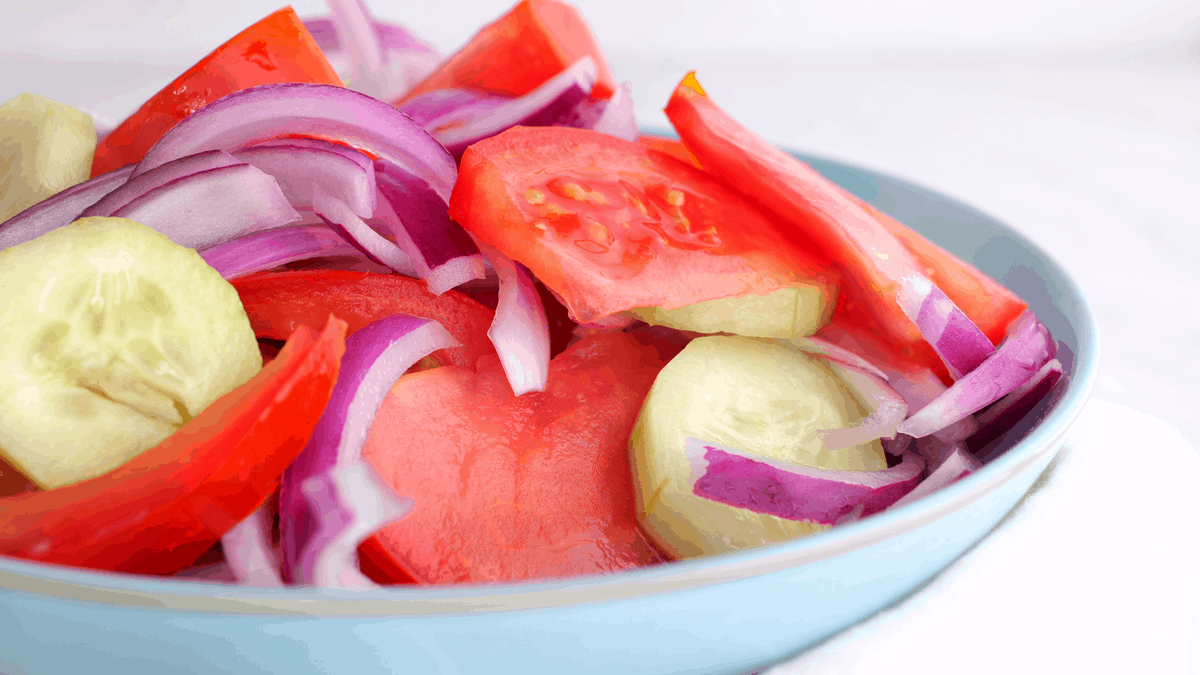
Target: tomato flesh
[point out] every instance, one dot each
(535, 41)
(275, 50)
(509, 488)
(279, 302)
(610, 225)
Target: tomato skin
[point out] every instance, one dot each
(670, 146)
(275, 50)
(280, 302)
(808, 207)
(159, 512)
(610, 225)
(510, 488)
(535, 41)
(991, 306)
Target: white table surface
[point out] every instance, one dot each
(1083, 134)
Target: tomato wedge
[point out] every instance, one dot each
(813, 209)
(535, 41)
(509, 488)
(280, 302)
(161, 510)
(610, 225)
(275, 50)
(670, 146)
(991, 306)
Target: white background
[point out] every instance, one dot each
(1076, 122)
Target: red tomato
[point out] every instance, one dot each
(991, 306)
(279, 302)
(277, 49)
(535, 41)
(160, 511)
(670, 146)
(809, 208)
(510, 488)
(610, 225)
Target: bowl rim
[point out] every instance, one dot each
(71, 583)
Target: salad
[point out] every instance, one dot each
(334, 309)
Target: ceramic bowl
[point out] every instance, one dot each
(724, 614)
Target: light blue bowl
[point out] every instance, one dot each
(724, 614)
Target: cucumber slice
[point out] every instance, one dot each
(796, 311)
(745, 393)
(45, 148)
(113, 338)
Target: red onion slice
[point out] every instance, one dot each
(249, 553)
(299, 168)
(269, 249)
(618, 118)
(832, 352)
(152, 180)
(442, 103)
(319, 519)
(406, 59)
(795, 492)
(952, 463)
(1022, 354)
(919, 388)
(888, 409)
(212, 207)
(61, 209)
(442, 252)
(955, 338)
(321, 110)
(548, 104)
(342, 219)
(520, 330)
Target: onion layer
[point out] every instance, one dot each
(1022, 354)
(329, 498)
(152, 180)
(342, 219)
(61, 209)
(269, 249)
(299, 168)
(887, 409)
(960, 343)
(951, 463)
(520, 330)
(795, 492)
(249, 553)
(273, 110)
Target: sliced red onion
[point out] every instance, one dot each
(1022, 354)
(618, 118)
(832, 352)
(1004, 414)
(951, 462)
(434, 105)
(442, 252)
(354, 503)
(212, 207)
(406, 58)
(887, 409)
(299, 168)
(320, 519)
(152, 180)
(269, 249)
(792, 491)
(61, 209)
(919, 388)
(249, 553)
(951, 333)
(341, 219)
(320, 110)
(520, 330)
(544, 106)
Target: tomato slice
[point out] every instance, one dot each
(509, 488)
(611, 225)
(670, 146)
(535, 41)
(991, 306)
(275, 50)
(160, 511)
(280, 302)
(809, 208)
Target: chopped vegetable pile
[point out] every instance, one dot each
(335, 310)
